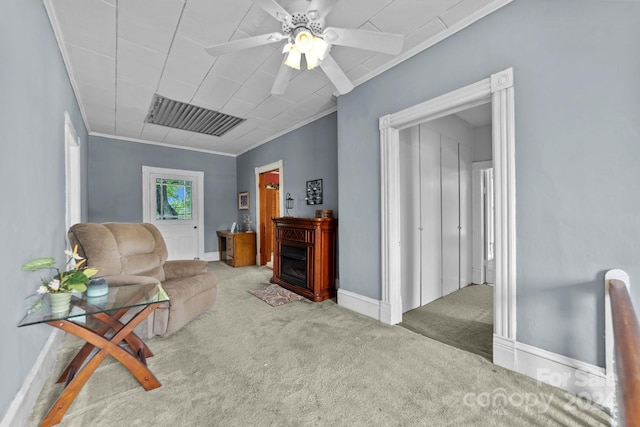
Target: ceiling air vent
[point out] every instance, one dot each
(175, 114)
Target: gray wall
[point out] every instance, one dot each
(34, 94)
(482, 149)
(307, 153)
(115, 182)
(577, 132)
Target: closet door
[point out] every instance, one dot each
(430, 216)
(466, 223)
(450, 193)
(410, 220)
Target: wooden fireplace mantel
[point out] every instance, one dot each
(317, 236)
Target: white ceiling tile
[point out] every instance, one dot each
(257, 22)
(328, 92)
(271, 107)
(462, 10)
(128, 128)
(188, 61)
(205, 141)
(272, 64)
(405, 16)
(349, 58)
(139, 64)
(304, 84)
(149, 23)
(354, 13)
(176, 90)
(133, 94)
(154, 133)
(99, 103)
(358, 72)
(90, 67)
(256, 89)
(90, 24)
(239, 66)
(215, 92)
(310, 107)
(177, 136)
(212, 22)
(427, 32)
(102, 127)
(237, 108)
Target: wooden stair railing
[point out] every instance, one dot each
(626, 333)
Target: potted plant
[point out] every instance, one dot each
(65, 281)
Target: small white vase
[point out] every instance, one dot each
(59, 302)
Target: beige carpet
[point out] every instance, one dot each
(245, 363)
(463, 319)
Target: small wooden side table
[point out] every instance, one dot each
(106, 311)
(237, 249)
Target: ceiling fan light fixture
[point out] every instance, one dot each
(304, 40)
(293, 58)
(320, 48)
(312, 60)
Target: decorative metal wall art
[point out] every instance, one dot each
(314, 192)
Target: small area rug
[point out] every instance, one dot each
(275, 295)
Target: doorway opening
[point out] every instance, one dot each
(269, 179)
(499, 91)
(442, 229)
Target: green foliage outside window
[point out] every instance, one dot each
(173, 199)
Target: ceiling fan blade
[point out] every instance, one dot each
(368, 40)
(282, 79)
(336, 75)
(273, 9)
(323, 7)
(246, 43)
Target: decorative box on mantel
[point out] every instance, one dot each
(304, 258)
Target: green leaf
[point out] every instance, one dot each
(80, 287)
(89, 272)
(39, 263)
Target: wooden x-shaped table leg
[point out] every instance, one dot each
(133, 363)
(110, 321)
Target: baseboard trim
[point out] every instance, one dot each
(572, 375)
(211, 256)
(360, 304)
(20, 409)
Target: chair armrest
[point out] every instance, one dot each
(184, 268)
(123, 280)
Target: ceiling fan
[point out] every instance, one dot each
(303, 27)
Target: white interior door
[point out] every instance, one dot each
(450, 186)
(430, 216)
(410, 223)
(466, 217)
(172, 202)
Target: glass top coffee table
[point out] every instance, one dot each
(97, 320)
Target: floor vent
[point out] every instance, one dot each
(175, 114)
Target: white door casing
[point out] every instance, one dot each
(73, 173)
(184, 238)
(256, 213)
(497, 89)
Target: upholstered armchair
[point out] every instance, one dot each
(127, 253)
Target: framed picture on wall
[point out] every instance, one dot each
(243, 200)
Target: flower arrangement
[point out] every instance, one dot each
(67, 280)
